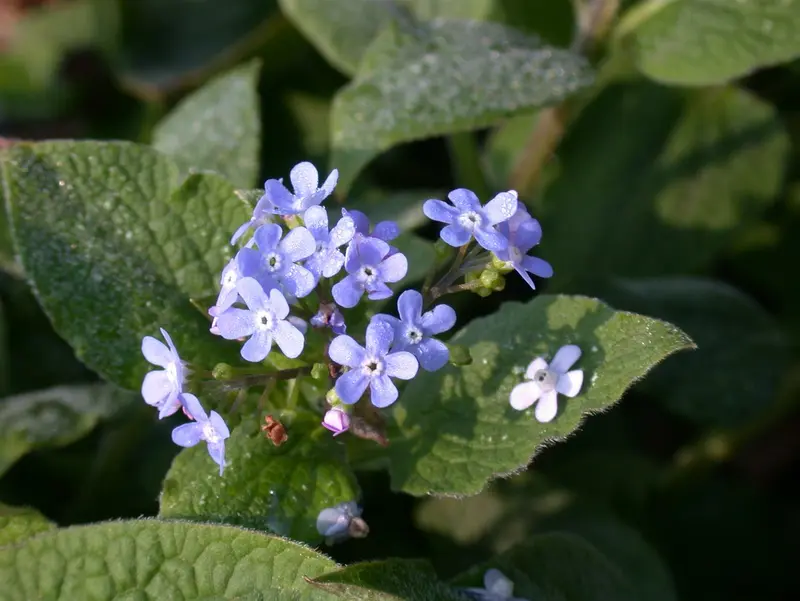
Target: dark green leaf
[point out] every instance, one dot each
(55, 417)
(440, 78)
(115, 246)
(19, 523)
(152, 559)
(217, 128)
(281, 489)
(454, 430)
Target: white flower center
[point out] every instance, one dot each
(546, 379)
(413, 335)
(368, 274)
(210, 435)
(373, 366)
(470, 220)
(514, 255)
(273, 261)
(265, 320)
(172, 373)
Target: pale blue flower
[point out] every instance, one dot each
(384, 230)
(327, 259)
(329, 316)
(334, 522)
(523, 233)
(278, 259)
(496, 588)
(466, 217)
(305, 179)
(546, 382)
(262, 214)
(162, 388)
(371, 367)
(369, 267)
(212, 429)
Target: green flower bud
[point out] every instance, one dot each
(500, 284)
(490, 278)
(459, 354)
(483, 292)
(500, 265)
(223, 371)
(333, 398)
(319, 372)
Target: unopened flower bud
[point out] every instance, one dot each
(501, 266)
(483, 292)
(319, 372)
(337, 421)
(490, 278)
(333, 398)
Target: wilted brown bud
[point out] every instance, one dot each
(275, 431)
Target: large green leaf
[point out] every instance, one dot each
(680, 173)
(453, 430)
(389, 580)
(702, 42)
(152, 559)
(444, 77)
(281, 489)
(55, 417)
(736, 339)
(19, 523)
(217, 128)
(115, 246)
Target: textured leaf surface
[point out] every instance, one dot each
(681, 173)
(152, 559)
(454, 429)
(389, 580)
(444, 77)
(55, 417)
(19, 523)
(217, 128)
(281, 489)
(701, 42)
(115, 246)
(736, 340)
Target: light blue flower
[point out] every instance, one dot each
(162, 388)
(371, 367)
(262, 214)
(466, 217)
(384, 230)
(496, 588)
(278, 259)
(545, 382)
(329, 316)
(304, 180)
(523, 233)
(212, 429)
(327, 259)
(334, 522)
(369, 267)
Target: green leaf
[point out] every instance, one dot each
(388, 580)
(556, 567)
(19, 523)
(55, 417)
(152, 559)
(736, 339)
(281, 489)
(681, 174)
(703, 42)
(441, 78)
(217, 128)
(453, 430)
(115, 246)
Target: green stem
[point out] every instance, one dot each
(466, 162)
(467, 286)
(429, 295)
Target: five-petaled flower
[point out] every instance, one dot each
(523, 233)
(336, 420)
(277, 259)
(210, 428)
(383, 230)
(162, 388)
(327, 259)
(414, 330)
(264, 321)
(466, 217)
(336, 523)
(305, 179)
(371, 367)
(496, 588)
(545, 382)
(369, 268)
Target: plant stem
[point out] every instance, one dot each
(466, 163)
(448, 278)
(467, 286)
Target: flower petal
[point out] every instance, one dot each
(394, 268)
(332, 263)
(235, 323)
(401, 365)
(170, 405)
(365, 251)
(379, 337)
(378, 291)
(278, 304)
(156, 352)
(257, 346)
(547, 407)
(432, 354)
(360, 220)
(187, 435)
(490, 239)
(346, 351)
(330, 183)
(502, 207)
(219, 425)
(278, 195)
(193, 407)
(537, 266)
(439, 319)
(351, 385)
(524, 275)
(455, 235)
(497, 584)
(268, 236)
(298, 244)
(464, 200)
(252, 293)
(298, 280)
(527, 234)
(289, 339)
(569, 384)
(156, 387)
(241, 231)
(383, 392)
(316, 221)
(342, 232)
(332, 522)
(304, 178)
(438, 210)
(386, 230)
(524, 395)
(348, 292)
(409, 306)
(565, 358)
(217, 452)
(536, 365)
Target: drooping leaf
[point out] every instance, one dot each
(280, 489)
(142, 559)
(454, 430)
(217, 128)
(388, 580)
(55, 417)
(115, 246)
(703, 42)
(681, 173)
(19, 523)
(444, 77)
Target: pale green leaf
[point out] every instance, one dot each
(440, 78)
(115, 246)
(55, 417)
(703, 42)
(217, 128)
(152, 559)
(454, 430)
(280, 489)
(19, 523)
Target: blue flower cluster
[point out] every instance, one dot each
(294, 255)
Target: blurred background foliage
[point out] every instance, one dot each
(662, 191)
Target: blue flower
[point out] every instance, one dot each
(329, 316)
(327, 259)
(233, 272)
(369, 267)
(277, 259)
(305, 180)
(414, 330)
(264, 321)
(334, 522)
(466, 217)
(545, 382)
(496, 588)
(384, 230)
(212, 429)
(523, 233)
(372, 367)
(262, 213)
(162, 388)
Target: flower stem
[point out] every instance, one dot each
(431, 294)
(465, 287)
